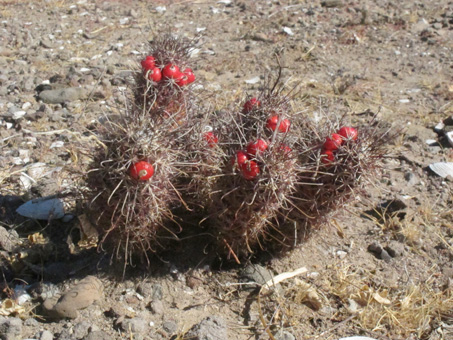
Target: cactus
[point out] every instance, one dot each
(135, 212)
(249, 199)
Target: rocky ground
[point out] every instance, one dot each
(382, 268)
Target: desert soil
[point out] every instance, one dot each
(382, 268)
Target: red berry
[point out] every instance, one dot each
(211, 138)
(327, 157)
(190, 75)
(155, 74)
(333, 142)
(182, 80)
(241, 158)
(148, 63)
(171, 71)
(141, 170)
(250, 104)
(285, 149)
(250, 170)
(348, 133)
(283, 127)
(256, 148)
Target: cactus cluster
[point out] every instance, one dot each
(258, 173)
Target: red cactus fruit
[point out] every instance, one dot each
(283, 127)
(250, 104)
(327, 157)
(257, 147)
(190, 75)
(155, 74)
(148, 63)
(250, 170)
(141, 170)
(171, 71)
(333, 142)
(211, 138)
(348, 133)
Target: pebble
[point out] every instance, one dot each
(410, 177)
(63, 95)
(98, 335)
(157, 307)
(10, 328)
(170, 326)
(30, 322)
(211, 328)
(46, 335)
(135, 325)
(255, 273)
(284, 336)
(80, 296)
(42, 209)
(332, 3)
(9, 239)
(395, 249)
(81, 329)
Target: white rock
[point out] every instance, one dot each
(431, 142)
(194, 51)
(442, 169)
(18, 114)
(288, 30)
(37, 170)
(439, 127)
(161, 9)
(124, 21)
(26, 105)
(253, 80)
(224, 2)
(9, 125)
(201, 29)
(85, 69)
(57, 144)
(404, 101)
(449, 136)
(26, 181)
(42, 209)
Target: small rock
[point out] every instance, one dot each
(284, 335)
(81, 329)
(211, 328)
(170, 326)
(385, 256)
(42, 209)
(341, 254)
(332, 3)
(9, 239)
(46, 335)
(257, 274)
(395, 249)
(98, 335)
(437, 26)
(442, 169)
(30, 322)
(375, 248)
(63, 95)
(135, 325)
(156, 307)
(410, 177)
(10, 329)
(80, 296)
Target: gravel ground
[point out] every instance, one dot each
(382, 268)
